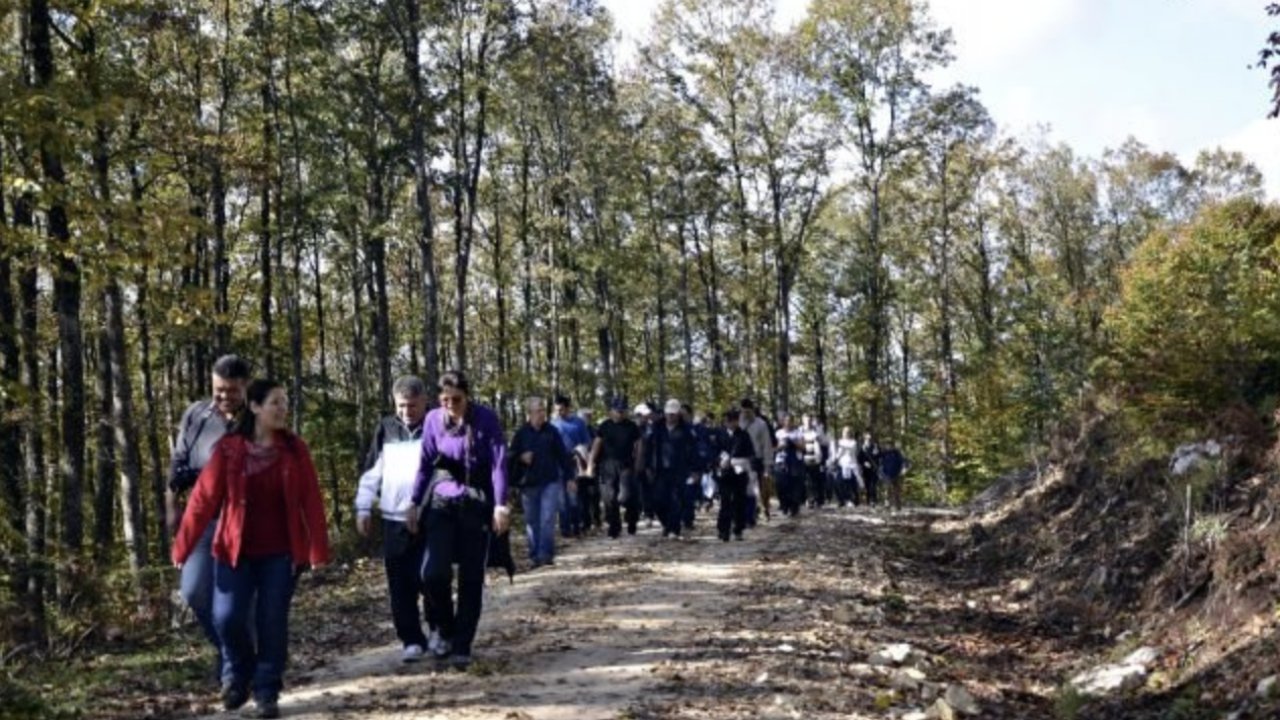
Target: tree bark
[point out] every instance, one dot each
(66, 292)
(33, 435)
(422, 192)
(11, 455)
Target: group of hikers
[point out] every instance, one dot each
(440, 480)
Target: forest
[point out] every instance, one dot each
(343, 191)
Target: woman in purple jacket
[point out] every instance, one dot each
(461, 499)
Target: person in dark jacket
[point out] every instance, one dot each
(672, 458)
(203, 425)
(737, 457)
(892, 466)
(540, 467)
(615, 459)
(390, 469)
(262, 484)
(869, 463)
(789, 466)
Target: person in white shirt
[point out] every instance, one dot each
(845, 458)
(392, 466)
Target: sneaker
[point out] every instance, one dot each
(234, 697)
(266, 707)
(460, 662)
(440, 647)
(412, 653)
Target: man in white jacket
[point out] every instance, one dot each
(391, 467)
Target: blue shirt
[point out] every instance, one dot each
(573, 430)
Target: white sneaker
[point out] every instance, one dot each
(439, 646)
(412, 653)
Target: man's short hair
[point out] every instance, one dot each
(535, 402)
(747, 404)
(409, 386)
(232, 367)
(563, 401)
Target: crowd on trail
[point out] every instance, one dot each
(441, 480)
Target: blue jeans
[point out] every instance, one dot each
(570, 512)
(262, 586)
(196, 583)
(540, 505)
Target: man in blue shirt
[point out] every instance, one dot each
(577, 441)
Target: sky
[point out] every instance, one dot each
(1178, 75)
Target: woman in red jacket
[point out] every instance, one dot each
(271, 527)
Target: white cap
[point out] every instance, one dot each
(672, 407)
(642, 409)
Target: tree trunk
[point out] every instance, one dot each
(11, 455)
(686, 327)
(33, 436)
(150, 408)
(66, 292)
(422, 193)
(105, 455)
(266, 316)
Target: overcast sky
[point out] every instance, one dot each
(1176, 74)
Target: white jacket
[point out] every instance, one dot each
(391, 479)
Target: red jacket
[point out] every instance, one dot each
(221, 486)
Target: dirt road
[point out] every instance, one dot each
(781, 625)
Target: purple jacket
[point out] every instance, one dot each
(487, 455)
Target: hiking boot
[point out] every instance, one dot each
(460, 662)
(234, 697)
(266, 707)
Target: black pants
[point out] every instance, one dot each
(669, 500)
(618, 485)
(790, 488)
(846, 486)
(456, 533)
(817, 485)
(733, 503)
(402, 555)
(871, 479)
(589, 502)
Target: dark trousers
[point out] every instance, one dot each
(589, 502)
(618, 485)
(669, 505)
(456, 533)
(817, 480)
(647, 484)
(790, 489)
(733, 504)
(871, 479)
(692, 499)
(261, 587)
(402, 556)
(845, 486)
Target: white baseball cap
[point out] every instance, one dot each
(642, 409)
(672, 407)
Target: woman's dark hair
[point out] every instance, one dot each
(454, 380)
(257, 392)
